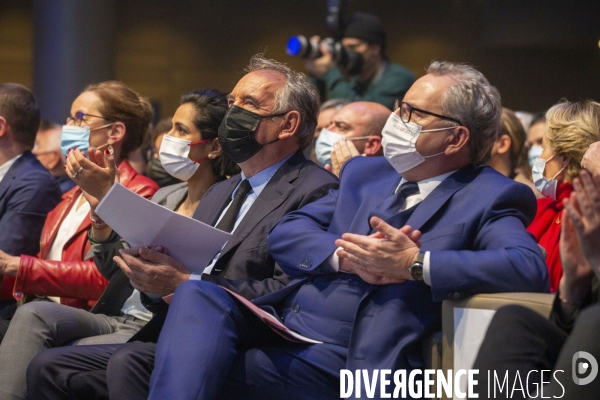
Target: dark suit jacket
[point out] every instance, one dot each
(473, 223)
(245, 265)
(27, 193)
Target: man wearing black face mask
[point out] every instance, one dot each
(272, 116)
(378, 80)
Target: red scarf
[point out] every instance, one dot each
(546, 230)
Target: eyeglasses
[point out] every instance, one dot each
(406, 111)
(80, 118)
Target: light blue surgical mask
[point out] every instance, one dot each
(74, 137)
(547, 187)
(534, 152)
(324, 145)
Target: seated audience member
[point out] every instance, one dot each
(535, 135)
(105, 113)
(326, 112)
(571, 129)
(27, 191)
(523, 342)
(273, 111)
(375, 78)
(444, 228)
(47, 151)
(154, 168)
(591, 159)
(359, 122)
(509, 155)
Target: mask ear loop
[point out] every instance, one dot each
(199, 142)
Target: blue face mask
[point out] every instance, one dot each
(324, 145)
(75, 137)
(534, 152)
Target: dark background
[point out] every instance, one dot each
(535, 51)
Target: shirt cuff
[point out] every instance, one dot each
(334, 260)
(426, 269)
(195, 277)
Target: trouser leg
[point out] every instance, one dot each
(37, 326)
(517, 342)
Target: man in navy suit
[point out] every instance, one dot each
(373, 259)
(27, 191)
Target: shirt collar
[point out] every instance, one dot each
(428, 185)
(6, 166)
(259, 180)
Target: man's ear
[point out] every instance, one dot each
(290, 125)
(3, 126)
(373, 146)
(458, 140)
(117, 133)
(215, 150)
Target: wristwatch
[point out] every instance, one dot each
(416, 269)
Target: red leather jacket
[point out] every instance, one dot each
(74, 280)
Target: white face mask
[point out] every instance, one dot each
(534, 152)
(173, 154)
(547, 187)
(399, 140)
(324, 145)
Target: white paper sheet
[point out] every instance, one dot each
(144, 223)
(470, 325)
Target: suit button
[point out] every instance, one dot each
(308, 282)
(296, 308)
(306, 264)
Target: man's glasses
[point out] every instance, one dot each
(406, 111)
(80, 118)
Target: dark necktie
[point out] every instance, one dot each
(391, 206)
(228, 221)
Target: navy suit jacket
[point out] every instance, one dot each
(473, 224)
(27, 194)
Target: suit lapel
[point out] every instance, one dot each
(273, 195)
(210, 208)
(13, 171)
(436, 199)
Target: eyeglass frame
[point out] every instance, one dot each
(79, 116)
(398, 106)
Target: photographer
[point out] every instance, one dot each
(378, 80)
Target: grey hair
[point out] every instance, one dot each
(337, 104)
(298, 94)
(472, 101)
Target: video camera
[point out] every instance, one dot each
(301, 46)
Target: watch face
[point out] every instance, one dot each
(416, 270)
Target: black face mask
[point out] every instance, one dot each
(236, 133)
(158, 174)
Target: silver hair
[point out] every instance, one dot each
(298, 94)
(472, 101)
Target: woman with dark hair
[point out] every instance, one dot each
(107, 114)
(191, 152)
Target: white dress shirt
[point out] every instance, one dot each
(426, 186)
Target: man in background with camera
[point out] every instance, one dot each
(375, 79)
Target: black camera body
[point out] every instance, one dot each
(301, 46)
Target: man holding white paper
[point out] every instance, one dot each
(271, 118)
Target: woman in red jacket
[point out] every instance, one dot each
(571, 129)
(107, 114)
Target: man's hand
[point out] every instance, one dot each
(319, 66)
(583, 208)
(95, 176)
(591, 159)
(343, 150)
(9, 265)
(577, 272)
(152, 271)
(382, 258)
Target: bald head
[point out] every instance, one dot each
(362, 119)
